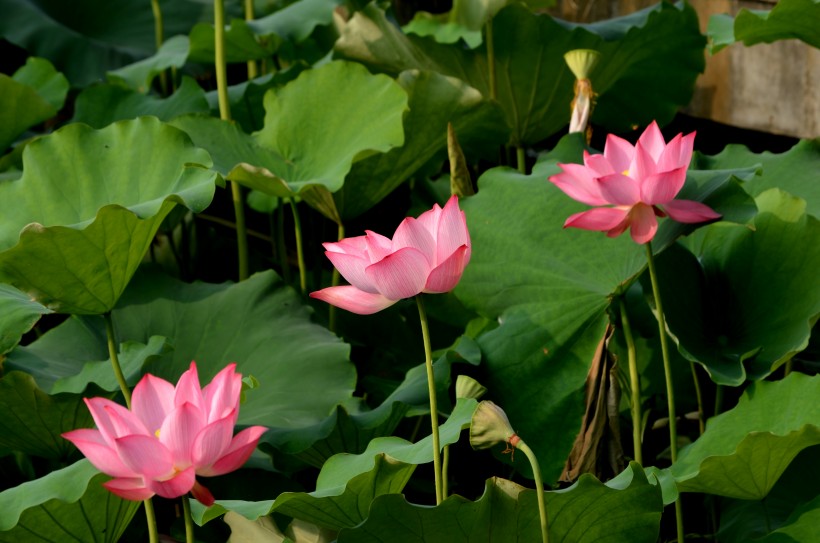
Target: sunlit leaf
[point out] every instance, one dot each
(788, 19)
(78, 222)
(745, 450)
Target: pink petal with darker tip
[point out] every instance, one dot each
(618, 153)
(179, 431)
(652, 141)
(94, 447)
(152, 400)
(129, 488)
(412, 233)
(352, 269)
(352, 299)
(145, 455)
(600, 219)
(643, 223)
(212, 442)
(113, 420)
(178, 485)
(452, 231)
(600, 165)
(620, 190)
(663, 187)
(446, 275)
(578, 183)
(188, 389)
(222, 393)
(240, 449)
(401, 274)
(688, 211)
(378, 246)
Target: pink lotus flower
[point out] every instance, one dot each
(640, 183)
(170, 435)
(427, 254)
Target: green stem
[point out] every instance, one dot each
(225, 115)
(300, 255)
(699, 398)
(158, 38)
(445, 467)
(252, 68)
(667, 371)
(491, 60)
(153, 535)
(189, 521)
(635, 384)
(115, 360)
(521, 159)
(539, 488)
(334, 282)
(431, 387)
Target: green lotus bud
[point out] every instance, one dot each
(490, 426)
(467, 387)
(581, 61)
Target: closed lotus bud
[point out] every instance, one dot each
(467, 387)
(490, 426)
(581, 62)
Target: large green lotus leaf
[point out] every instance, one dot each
(346, 508)
(794, 171)
(32, 422)
(296, 21)
(788, 19)
(18, 314)
(241, 44)
(100, 105)
(138, 76)
(34, 93)
(86, 38)
(351, 427)
(744, 300)
(801, 525)
(745, 450)
(79, 220)
(748, 520)
(507, 512)
(534, 84)
(435, 100)
(66, 505)
(260, 324)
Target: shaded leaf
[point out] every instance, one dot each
(18, 315)
(79, 221)
(32, 95)
(508, 512)
(297, 21)
(100, 105)
(32, 422)
(744, 301)
(788, 19)
(140, 75)
(745, 450)
(241, 44)
(68, 504)
(86, 38)
(535, 87)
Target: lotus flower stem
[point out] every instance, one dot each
(300, 254)
(158, 38)
(539, 487)
(189, 521)
(431, 387)
(225, 115)
(252, 68)
(150, 517)
(491, 60)
(667, 370)
(521, 159)
(334, 282)
(445, 468)
(634, 382)
(699, 397)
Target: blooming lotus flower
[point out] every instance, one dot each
(427, 254)
(639, 182)
(170, 435)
